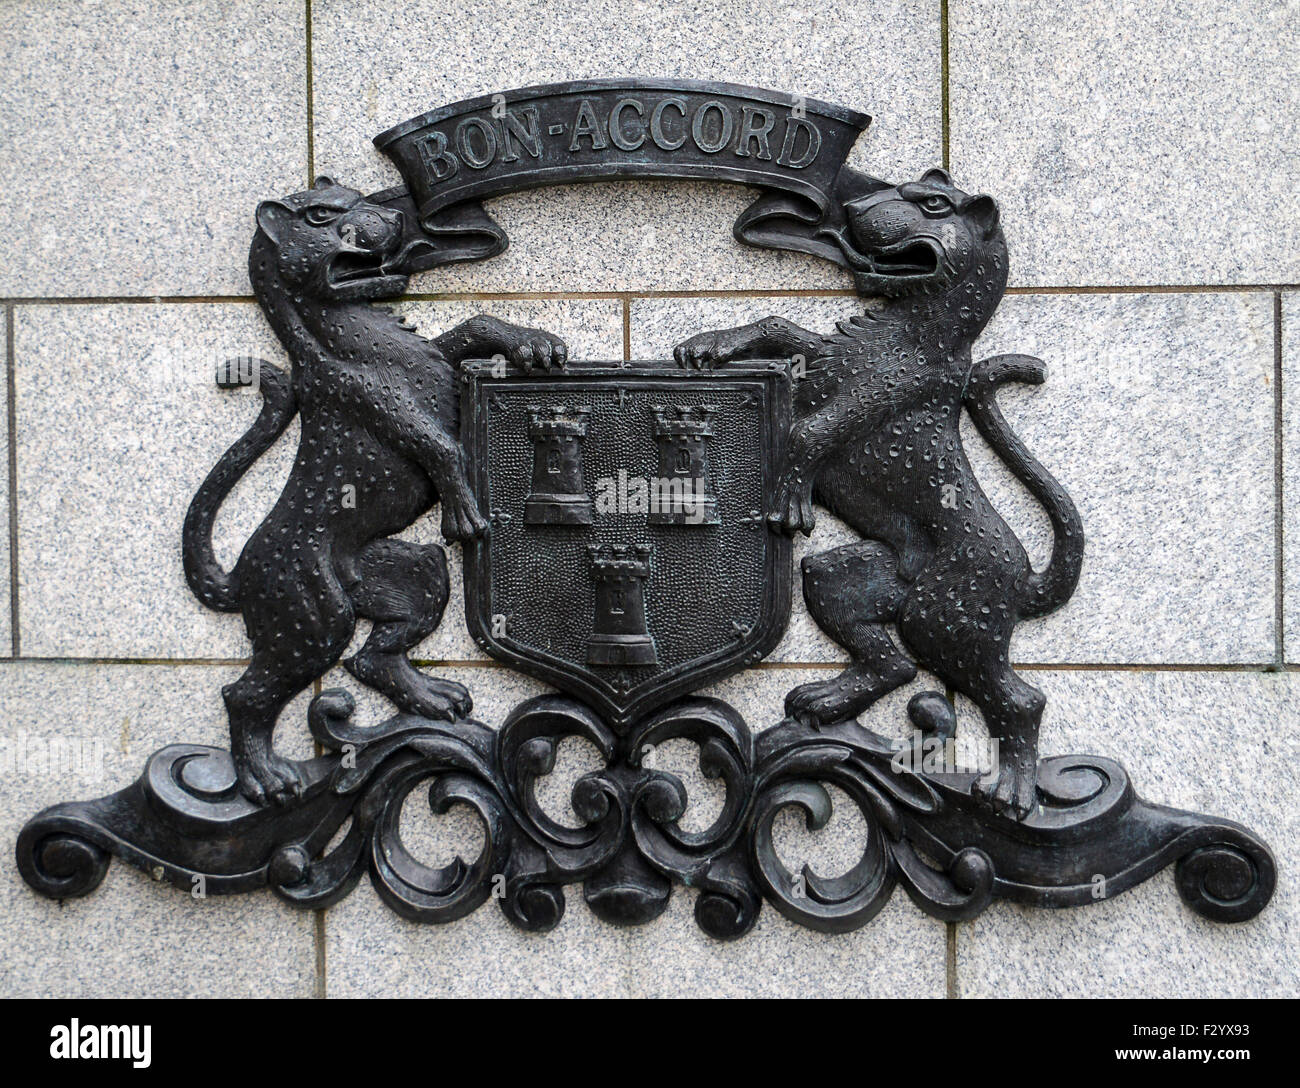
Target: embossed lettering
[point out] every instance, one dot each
(616, 131)
(657, 133)
(464, 144)
(526, 136)
(755, 125)
(585, 124)
(434, 156)
(699, 128)
(793, 126)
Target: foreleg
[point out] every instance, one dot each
(393, 414)
(812, 440)
(773, 337)
(482, 337)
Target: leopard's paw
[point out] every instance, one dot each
(536, 349)
(792, 511)
(269, 779)
(461, 519)
(1011, 788)
(708, 349)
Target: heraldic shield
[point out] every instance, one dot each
(636, 494)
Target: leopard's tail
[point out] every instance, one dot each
(1048, 589)
(218, 589)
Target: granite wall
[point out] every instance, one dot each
(1145, 159)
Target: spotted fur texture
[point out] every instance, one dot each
(876, 441)
(379, 447)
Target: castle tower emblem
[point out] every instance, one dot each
(619, 634)
(558, 495)
(683, 494)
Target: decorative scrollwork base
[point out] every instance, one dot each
(1090, 837)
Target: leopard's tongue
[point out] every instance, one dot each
(348, 266)
(897, 262)
(858, 261)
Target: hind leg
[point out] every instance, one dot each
(298, 633)
(402, 589)
(1013, 710)
(851, 592)
(964, 639)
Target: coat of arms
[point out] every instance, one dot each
(625, 501)
(627, 532)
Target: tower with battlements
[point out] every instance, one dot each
(619, 634)
(682, 494)
(559, 493)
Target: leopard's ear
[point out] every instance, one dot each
(273, 218)
(941, 176)
(984, 211)
(324, 182)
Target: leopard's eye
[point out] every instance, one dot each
(319, 216)
(937, 204)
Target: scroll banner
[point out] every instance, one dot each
(598, 130)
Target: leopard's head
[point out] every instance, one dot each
(331, 243)
(922, 237)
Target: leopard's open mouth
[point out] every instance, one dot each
(913, 257)
(351, 265)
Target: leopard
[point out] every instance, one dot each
(378, 448)
(876, 441)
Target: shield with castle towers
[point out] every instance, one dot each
(636, 494)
